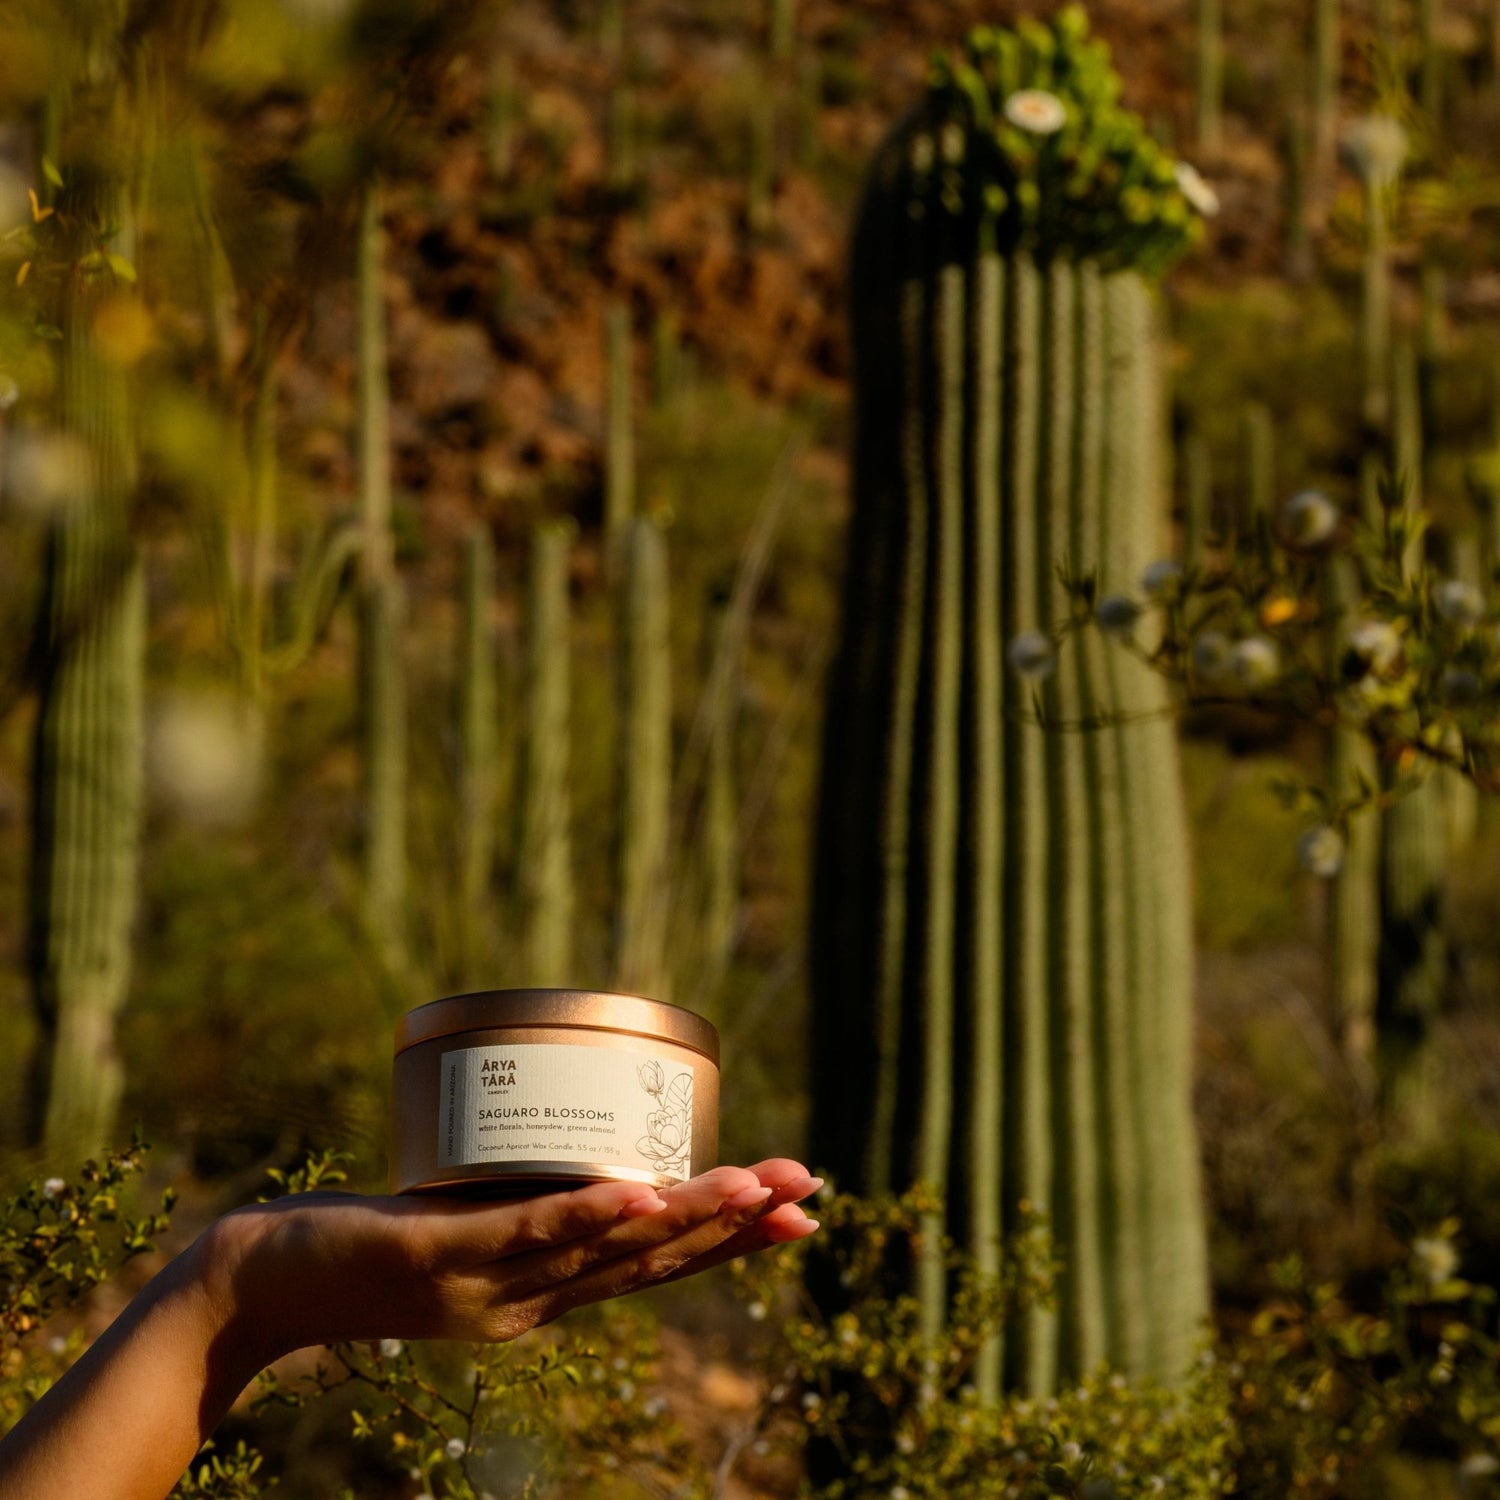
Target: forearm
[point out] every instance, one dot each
(126, 1420)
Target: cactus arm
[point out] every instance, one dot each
(619, 454)
(645, 765)
(477, 746)
(985, 1022)
(942, 669)
(1027, 1076)
(546, 867)
(87, 764)
(1075, 1188)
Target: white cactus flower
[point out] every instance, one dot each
(1377, 643)
(391, 1348)
(1197, 189)
(1158, 577)
(1031, 655)
(1434, 1256)
(1036, 111)
(54, 1187)
(1458, 602)
(1211, 655)
(1310, 519)
(1117, 614)
(1255, 662)
(1377, 145)
(1320, 851)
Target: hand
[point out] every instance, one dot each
(124, 1422)
(325, 1267)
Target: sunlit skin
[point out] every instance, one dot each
(325, 1267)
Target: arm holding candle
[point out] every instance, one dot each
(319, 1268)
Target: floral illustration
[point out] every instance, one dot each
(668, 1140)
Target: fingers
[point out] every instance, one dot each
(746, 1222)
(470, 1233)
(729, 1195)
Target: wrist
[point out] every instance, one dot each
(229, 1268)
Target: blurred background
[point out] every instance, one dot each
(425, 435)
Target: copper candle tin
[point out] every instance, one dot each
(501, 1090)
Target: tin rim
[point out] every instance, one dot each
(580, 1010)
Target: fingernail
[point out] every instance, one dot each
(639, 1208)
(749, 1197)
(804, 1187)
(803, 1228)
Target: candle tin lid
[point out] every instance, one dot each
(585, 1010)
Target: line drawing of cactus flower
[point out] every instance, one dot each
(668, 1141)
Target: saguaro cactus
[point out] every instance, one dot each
(87, 760)
(382, 609)
(1210, 75)
(619, 418)
(477, 743)
(546, 862)
(1001, 954)
(645, 764)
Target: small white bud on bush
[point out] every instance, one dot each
(1211, 655)
(1117, 614)
(1161, 576)
(1031, 655)
(1458, 602)
(1376, 643)
(1255, 662)
(1434, 1257)
(1196, 189)
(1320, 851)
(1310, 519)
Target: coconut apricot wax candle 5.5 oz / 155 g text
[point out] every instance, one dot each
(499, 1090)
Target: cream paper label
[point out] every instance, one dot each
(536, 1102)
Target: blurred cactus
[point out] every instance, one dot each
(1460, 795)
(1430, 62)
(1377, 146)
(611, 28)
(619, 418)
(383, 705)
(87, 763)
(1011, 904)
(382, 609)
(1413, 949)
(783, 30)
(760, 171)
(1210, 75)
(1354, 916)
(1198, 483)
(546, 854)
(717, 852)
(1413, 954)
(1327, 53)
(644, 750)
(622, 167)
(477, 746)
(504, 114)
(1257, 467)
